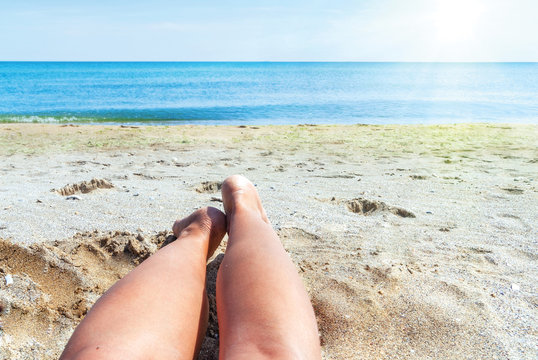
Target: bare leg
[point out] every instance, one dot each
(263, 308)
(159, 310)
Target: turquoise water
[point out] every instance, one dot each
(268, 93)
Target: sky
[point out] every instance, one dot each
(263, 30)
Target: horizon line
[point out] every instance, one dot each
(266, 61)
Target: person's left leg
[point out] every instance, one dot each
(159, 310)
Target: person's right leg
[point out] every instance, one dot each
(263, 308)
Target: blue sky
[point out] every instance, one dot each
(240, 30)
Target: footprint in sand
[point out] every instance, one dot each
(84, 187)
(208, 187)
(369, 207)
(510, 222)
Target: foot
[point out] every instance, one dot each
(208, 221)
(238, 193)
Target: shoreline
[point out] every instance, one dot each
(454, 280)
(45, 137)
(128, 121)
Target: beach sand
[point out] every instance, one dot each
(414, 242)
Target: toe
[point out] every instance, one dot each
(209, 222)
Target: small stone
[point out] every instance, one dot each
(516, 287)
(9, 279)
(6, 338)
(73, 197)
(136, 194)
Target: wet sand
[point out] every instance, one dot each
(414, 242)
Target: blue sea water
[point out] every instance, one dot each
(268, 93)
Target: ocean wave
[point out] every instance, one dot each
(42, 119)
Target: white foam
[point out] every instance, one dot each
(40, 119)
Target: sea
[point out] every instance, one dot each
(235, 93)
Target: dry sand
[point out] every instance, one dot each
(414, 242)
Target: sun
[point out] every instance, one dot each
(455, 20)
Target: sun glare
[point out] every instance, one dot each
(455, 20)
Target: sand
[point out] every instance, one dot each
(414, 242)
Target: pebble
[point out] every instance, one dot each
(6, 339)
(516, 287)
(73, 197)
(9, 279)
